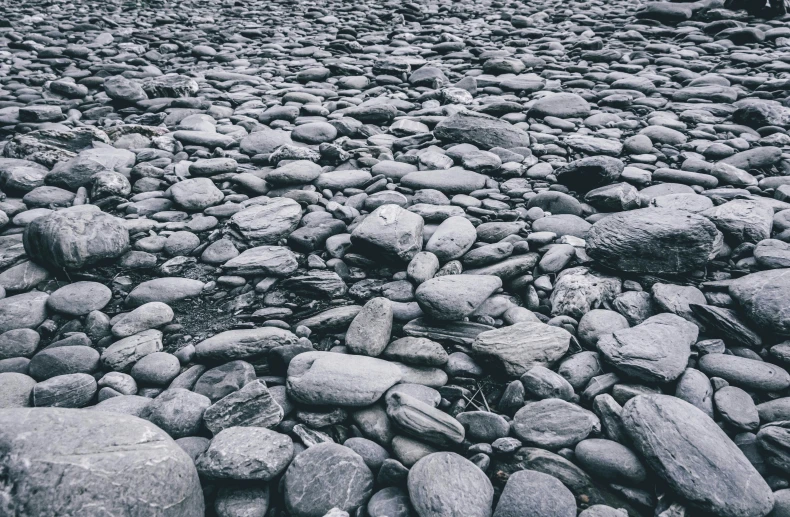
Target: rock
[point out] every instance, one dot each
(263, 260)
(519, 347)
(134, 454)
(589, 173)
(554, 424)
(742, 220)
(433, 493)
(75, 237)
(23, 311)
(369, 332)
(560, 105)
(656, 351)
(195, 194)
(762, 298)
(466, 127)
(423, 421)
(324, 477)
(454, 297)
(324, 378)
(17, 390)
(80, 298)
(391, 230)
(251, 406)
(243, 344)
(167, 290)
(268, 223)
(121, 355)
(653, 240)
(246, 453)
(530, 493)
(692, 455)
(452, 239)
(178, 412)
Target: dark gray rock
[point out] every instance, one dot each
(694, 457)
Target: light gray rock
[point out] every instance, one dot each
(268, 223)
(391, 230)
(246, 453)
(324, 477)
(529, 493)
(120, 457)
(444, 484)
(325, 378)
(243, 343)
(554, 424)
(369, 332)
(519, 347)
(454, 297)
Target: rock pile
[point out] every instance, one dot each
(435, 259)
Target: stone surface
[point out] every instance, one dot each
(119, 456)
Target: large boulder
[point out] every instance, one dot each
(695, 457)
(484, 131)
(93, 463)
(765, 298)
(653, 240)
(75, 237)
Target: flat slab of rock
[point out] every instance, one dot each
(454, 297)
(243, 344)
(656, 351)
(686, 449)
(519, 347)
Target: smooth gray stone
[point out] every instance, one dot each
(529, 493)
(554, 424)
(694, 457)
(326, 378)
(434, 493)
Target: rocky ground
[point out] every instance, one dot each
(389, 259)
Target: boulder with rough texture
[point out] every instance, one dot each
(653, 240)
(391, 230)
(765, 299)
(72, 462)
(519, 347)
(75, 237)
(484, 131)
(657, 350)
(324, 477)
